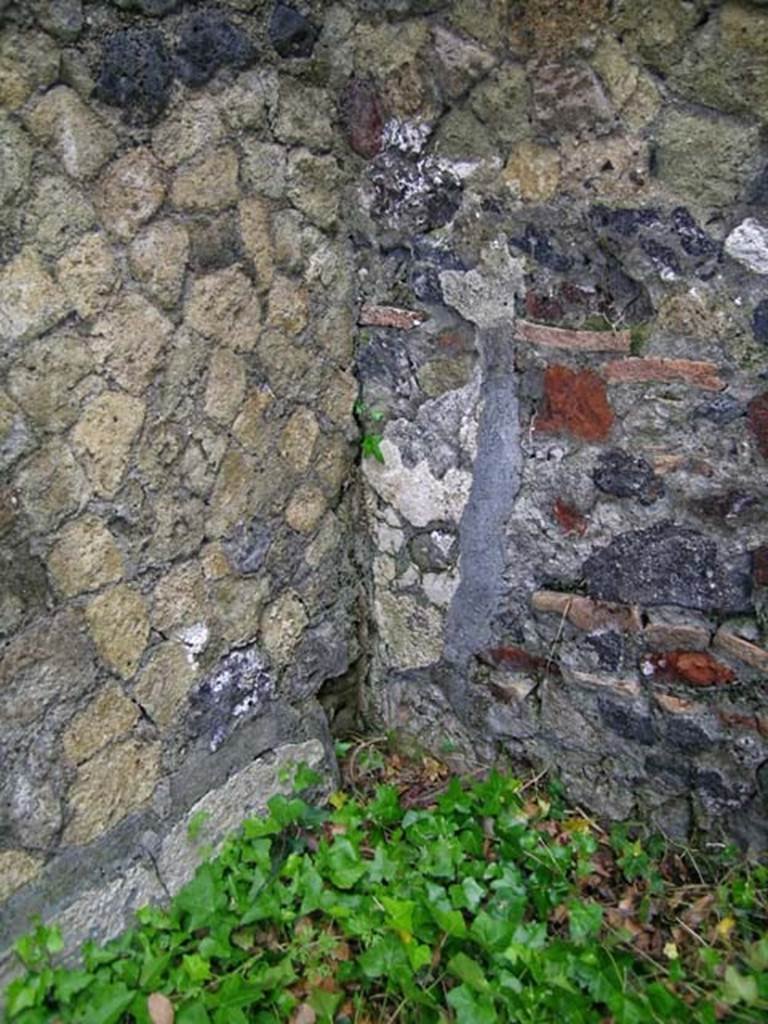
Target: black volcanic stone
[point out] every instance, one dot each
(662, 256)
(136, 73)
(207, 42)
(721, 410)
(625, 221)
(536, 244)
(291, 34)
(760, 322)
(627, 476)
(693, 240)
(668, 564)
(627, 722)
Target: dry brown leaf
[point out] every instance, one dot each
(698, 911)
(160, 1009)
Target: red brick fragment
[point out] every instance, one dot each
(635, 370)
(569, 518)
(542, 307)
(760, 566)
(737, 721)
(695, 667)
(517, 659)
(757, 418)
(574, 403)
(579, 341)
(362, 117)
(391, 316)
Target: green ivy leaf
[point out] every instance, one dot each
(469, 971)
(471, 1008)
(739, 988)
(371, 447)
(107, 1003)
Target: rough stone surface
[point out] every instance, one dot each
(119, 624)
(103, 438)
(575, 403)
(84, 557)
(135, 73)
(32, 301)
(110, 716)
(78, 138)
(130, 193)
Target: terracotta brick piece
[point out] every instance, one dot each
(584, 613)
(741, 649)
(695, 667)
(690, 371)
(391, 316)
(580, 341)
(574, 403)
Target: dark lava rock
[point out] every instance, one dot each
(693, 239)
(668, 564)
(721, 409)
(727, 507)
(537, 244)
(757, 419)
(238, 687)
(207, 42)
(136, 73)
(413, 195)
(760, 322)
(291, 34)
(625, 221)
(627, 722)
(152, 7)
(362, 118)
(248, 548)
(626, 476)
(609, 648)
(430, 556)
(661, 256)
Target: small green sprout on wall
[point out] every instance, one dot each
(370, 442)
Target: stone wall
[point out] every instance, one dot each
(527, 245)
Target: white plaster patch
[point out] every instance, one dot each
(748, 244)
(485, 295)
(440, 587)
(418, 495)
(195, 639)
(407, 136)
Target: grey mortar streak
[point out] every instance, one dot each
(495, 485)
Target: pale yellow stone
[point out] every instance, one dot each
(84, 557)
(108, 717)
(288, 308)
(298, 438)
(327, 540)
(214, 561)
(618, 74)
(332, 463)
(230, 499)
(51, 379)
(255, 230)
(30, 300)
(116, 781)
(744, 27)
(534, 170)
(225, 386)
(89, 274)
(119, 624)
(128, 341)
(412, 634)
(250, 427)
(338, 399)
(306, 508)
(103, 438)
(282, 626)
(225, 306)
(239, 603)
(619, 163)
(186, 129)
(208, 185)
(79, 139)
(130, 192)
(51, 486)
(16, 869)
(163, 684)
(28, 60)
(158, 257)
(180, 600)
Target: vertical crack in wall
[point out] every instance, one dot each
(495, 484)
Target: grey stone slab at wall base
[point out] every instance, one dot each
(518, 252)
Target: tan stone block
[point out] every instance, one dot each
(327, 540)
(108, 717)
(230, 499)
(288, 308)
(28, 60)
(116, 781)
(225, 387)
(128, 341)
(224, 306)
(16, 869)
(338, 399)
(662, 636)
(578, 341)
(306, 508)
(104, 436)
(313, 187)
(119, 624)
(79, 139)
(282, 626)
(412, 633)
(332, 463)
(584, 613)
(30, 300)
(89, 275)
(130, 192)
(534, 170)
(208, 185)
(250, 427)
(255, 230)
(84, 557)
(158, 257)
(180, 599)
(163, 684)
(297, 440)
(620, 163)
(51, 486)
(186, 129)
(57, 214)
(239, 603)
(214, 561)
(689, 371)
(743, 27)
(741, 649)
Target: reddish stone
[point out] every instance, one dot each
(574, 295)
(362, 117)
(575, 403)
(757, 418)
(517, 659)
(695, 667)
(542, 307)
(760, 566)
(579, 341)
(569, 518)
(697, 373)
